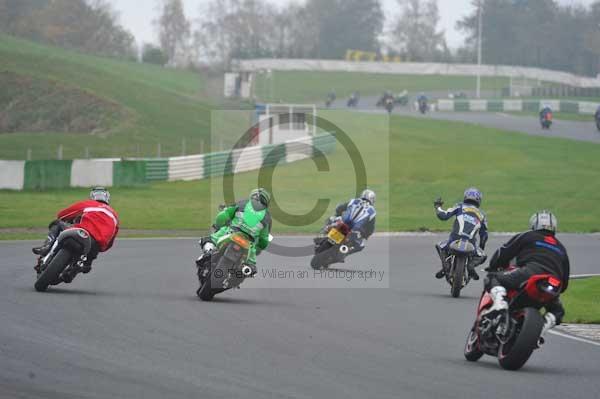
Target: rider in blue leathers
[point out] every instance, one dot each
(470, 220)
(359, 214)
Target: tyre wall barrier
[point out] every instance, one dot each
(574, 107)
(43, 175)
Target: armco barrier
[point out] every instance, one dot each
(40, 175)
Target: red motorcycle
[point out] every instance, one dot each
(514, 334)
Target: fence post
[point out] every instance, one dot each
(87, 153)
(59, 154)
(158, 151)
(29, 154)
(201, 146)
(183, 146)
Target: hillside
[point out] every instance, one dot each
(146, 104)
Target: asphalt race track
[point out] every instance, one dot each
(576, 130)
(134, 328)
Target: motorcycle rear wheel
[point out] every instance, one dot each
(324, 257)
(52, 272)
(514, 354)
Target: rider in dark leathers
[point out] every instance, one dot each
(537, 251)
(468, 217)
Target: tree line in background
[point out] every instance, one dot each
(85, 25)
(537, 33)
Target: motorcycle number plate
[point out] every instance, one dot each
(336, 236)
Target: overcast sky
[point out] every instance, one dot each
(138, 15)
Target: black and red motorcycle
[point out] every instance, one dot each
(514, 334)
(333, 244)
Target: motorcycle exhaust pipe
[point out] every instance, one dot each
(247, 271)
(344, 249)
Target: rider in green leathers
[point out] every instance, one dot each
(249, 216)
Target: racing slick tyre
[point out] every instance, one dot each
(51, 273)
(515, 353)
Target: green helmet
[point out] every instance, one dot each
(260, 199)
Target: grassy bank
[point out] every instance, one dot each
(161, 105)
(582, 301)
(411, 165)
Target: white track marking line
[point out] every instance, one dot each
(584, 340)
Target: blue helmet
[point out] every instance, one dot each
(473, 196)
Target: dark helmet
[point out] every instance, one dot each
(260, 199)
(473, 196)
(100, 194)
(369, 196)
(543, 220)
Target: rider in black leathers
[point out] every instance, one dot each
(536, 252)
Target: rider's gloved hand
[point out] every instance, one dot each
(438, 203)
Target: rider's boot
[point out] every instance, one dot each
(477, 260)
(472, 272)
(442, 255)
(498, 293)
(45, 248)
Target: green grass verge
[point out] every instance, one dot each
(582, 301)
(417, 161)
(314, 86)
(162, 105)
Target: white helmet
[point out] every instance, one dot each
(369, 196)
(543, 220)
(100, 194)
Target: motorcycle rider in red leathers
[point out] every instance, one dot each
(94, 216)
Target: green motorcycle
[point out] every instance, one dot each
(224, 269)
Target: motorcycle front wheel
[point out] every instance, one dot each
(472, 351)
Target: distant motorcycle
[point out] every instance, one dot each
(401, 99)
(423, 107)
(514, 334)
(65, 260)
(598, 121)
(389, 105)
(383, 99)
(546, 121)
(353, 101)
(333, 244)
(461, 253)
